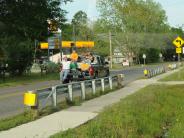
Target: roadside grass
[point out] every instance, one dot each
(119, 66)
(153, 112)
(178, 76)
(11, 122)
(27, 79)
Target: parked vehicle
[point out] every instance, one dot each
(89, 70)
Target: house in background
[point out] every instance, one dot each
(118, 56)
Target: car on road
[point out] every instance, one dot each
(98, 68)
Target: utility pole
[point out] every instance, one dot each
(110, 41)
(178, 57)
(35, 51)
(60, 43)
(74, 37)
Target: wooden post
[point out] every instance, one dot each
(120, 80)
(93, 87)
(110, 82)
(102, 85)
(31, 100)
(83, 91)
(54, 97)
(70, 92)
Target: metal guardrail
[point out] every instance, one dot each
(149, 73)
(55, 93)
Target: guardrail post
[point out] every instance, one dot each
(120, 80)
(110, 82)
(70, 92)
(83, 91)
(54, 96)
(103, 85)
(93, 87)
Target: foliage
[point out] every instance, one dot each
(133, 15)
(81, 30)
(19, 54)
(101, 48)
(136, 25)
(19, 32)
(51, 67)
(154, 111)
(152, 55)
(33, 15)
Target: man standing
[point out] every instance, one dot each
(65, 68)
(74, 56)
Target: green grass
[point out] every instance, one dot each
(119, 66)
(153, 112)
(178, 76)
(27, 79)
(11, 122)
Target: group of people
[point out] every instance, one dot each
(73, 63)
(68, 64)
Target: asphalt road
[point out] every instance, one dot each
(11, 98)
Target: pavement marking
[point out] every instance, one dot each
(5, 96)
(10, 95)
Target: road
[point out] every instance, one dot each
(11, 98)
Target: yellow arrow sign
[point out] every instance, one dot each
(178, 42)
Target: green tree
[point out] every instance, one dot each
(23, 21)
(136, 24)
(81, 27)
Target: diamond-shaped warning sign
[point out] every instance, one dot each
(178, 42)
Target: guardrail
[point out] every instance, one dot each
(52, 95)
(149, 73)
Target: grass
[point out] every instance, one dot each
(11, 122)
(178, 76)
(27, 79)
(153, 112)
(119, 66)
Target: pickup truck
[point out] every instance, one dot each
(98, 68)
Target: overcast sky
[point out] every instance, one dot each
(174, 10)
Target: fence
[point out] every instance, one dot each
(149, 73)
(52, 95)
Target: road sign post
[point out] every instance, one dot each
(144, 57)
(178, 42)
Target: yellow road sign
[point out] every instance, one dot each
(178, 50)
(30, 99)
(69, 44)
(178, 42)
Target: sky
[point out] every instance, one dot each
(174, 10)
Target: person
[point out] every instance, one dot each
(73, 68)
(74, 56)
(65, 68)
(61, 72)
(89, 56)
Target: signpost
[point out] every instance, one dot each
(144, 57)
(178, 42)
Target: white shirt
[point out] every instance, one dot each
(66, 65)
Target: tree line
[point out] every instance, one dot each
(137, 27)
